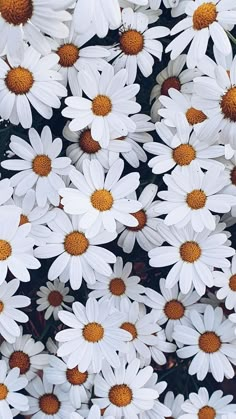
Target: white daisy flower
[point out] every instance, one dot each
(226, 281)
(94, 413)
(47, 401)
(151, 9)
(94, 335)
(10, 385)
(204, 20)
(77, 256)
(122, 391)
(16, 247)
(137, 43)
(108, 105)
(102, 200)
(53, 298)
(32, 81)
(119, 286)
(146, 233)
(39, 166)
(159, 410)
(201, 405)
(210, 340)
(174, 404)
(72, 381)
(6, 190)
(193, 255)
(25, 354)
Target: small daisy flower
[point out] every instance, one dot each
(119, 286)
(39, 166)
(25, 354)
(122, 391)
(174, 404)
(6, 190)
(146, 233)
(94, 413)
(77, 256)
(10, 385)
(137, 44)
(159, 410)
(94, 335)
(226, 281)
(53, 298)
(204, 20)
(201, 405)
(33, 81)
(193, 255)
(102, 200)
(210, 340)
(108, 105)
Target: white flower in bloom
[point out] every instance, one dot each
(210, 340)
(94, 413)
(53, 298)
(159, 410)
(6, 190)
(204, 20)
(108, 105)
(174, 404)
(30, 82)
(101, 200)
(201, 405)
(39, 166)
(77, 256)
(151, 9)
(226, 281)
(193, 256)
(122, 391)
(94, 335)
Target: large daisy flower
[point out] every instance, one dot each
(193, 256)
(39, 166)
(108, 105)
(226, 281)
(77, 256)
(33, 81)
(203, 20)
(102, 200)
(211, 341)
(53, 297)
(94, 336)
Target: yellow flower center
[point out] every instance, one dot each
(194, 116)
(21, 360)
(209, 342)
(55, 298)
(3, 392)
(190, 251)
(233, 176)
(141, 218)
(5, 250)
(117, 286)
(69, 54)
(120, 395)
(131, 42)
(206, 412)
(23, 219)
(93, 332)
(1, 307)
(232, 282)
(228, 104)
(42, 165)
(196, 199)
(16, 12)
(75, 377)
(184, 154)
(101, 105)
(76, 243)
(87, 143)
(131, 328)
(19, 80)
(171, 82)
(204, 16)
(174, 310)
(49, 404)
(102, 200)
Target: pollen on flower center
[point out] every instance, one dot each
(16, 12)
(93, 332)
(49, 404)
(102, 200)
(1, 307)
(232, 282)
(196, 199)
(3, 391)
(207, 412)
(75, 377)
(101, 105)
(68, 54)
(233, 176)
(190, 251)
(87, 143)
(141, 218)
(5, 250)
(21, 360)
(120, 395)
(23, 219)
(174, 310)
(19, 80)
(42, 165)
(204, 16)
(131, 42)
(117, 286)
(194, 116)
(228, 104)
(184, 154)
(55, 298)
(76, 243)
(209, 342)
(171, 82)
(130, 327)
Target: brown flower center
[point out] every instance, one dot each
(204, 16)
(21, 360)
(49, 404)
(194, 116)
(207, 412)
(23, 219)
(16, 12)
(19, 80)
(228, 104)
(209, 342)
(171, 82)
(101, 105)
(93, 332)
(174, 310)
(42, 165)
(75, 377)
(232, 282)
(141, 218)
(5, 250)
(130, 327)
(3, 392)
(233, 176)
(55, 298)
(196, 199)
(131, 42)
(102, 200)
(190, 251)
(87, 143)
(69, 54)
(120, 395)
(1, 307)
(76, 243)
(184, 154)
(117, 286)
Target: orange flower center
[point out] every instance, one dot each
(190, 251)
(93, 332)
(75, 377)
(117, 286)
(171, 82)
(141, 218)
(120, 395)
(49, 404)
(194, 116)
(204, 16)
(55, 298)
(174, 310)
(21, 360)
(232, 282)
(3, 392)
(196, 199)
(228, 104)
(209, 342)
(76, 243)
(5, 250)
(19, 80)
(131, 42)
(69, 54)
(207, 412)
(130, 327)
(87, 143)
(184, 154)
(1, 306)
(233, 176)
(102, 200)
(101, 105)
(42, 165)
(16, 12)
(23, 219)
